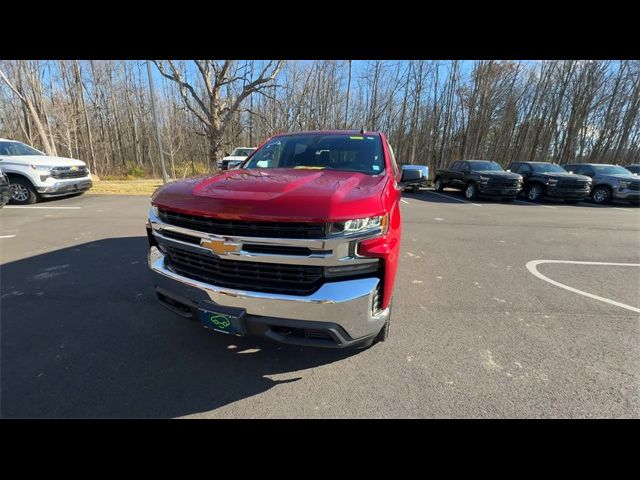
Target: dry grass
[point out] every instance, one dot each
(125, 187)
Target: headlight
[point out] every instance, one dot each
(42, 169)
(154, 210)
(624, 184)
(552, 181)
(484, 179)
(359, 225)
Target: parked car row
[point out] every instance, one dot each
(536, 181)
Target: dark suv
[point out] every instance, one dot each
(545, 179)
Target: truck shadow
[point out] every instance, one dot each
(83, 336)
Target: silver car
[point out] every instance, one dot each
(610, 182)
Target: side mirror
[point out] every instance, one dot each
(410, 175)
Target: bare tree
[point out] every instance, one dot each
(209, 105)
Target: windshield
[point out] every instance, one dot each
(354, 153)
(241, 152)
(611, 170)
(485, 166)
(17, 148)
(547, 168)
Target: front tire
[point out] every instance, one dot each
(22, 192)
(534, 193)
(471, 192)
(439, 186)
(601, 195)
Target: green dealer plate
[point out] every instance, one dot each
(223, 319)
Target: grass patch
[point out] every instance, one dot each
(126, 187)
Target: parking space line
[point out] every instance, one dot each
(536, 204)
(44, 208)
(404, 201)
(533, 264)
(454, 198)
(7, 236)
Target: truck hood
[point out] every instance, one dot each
(574, 176)
(620, 176)
(277, 195)
(44, 160)
(497, 174)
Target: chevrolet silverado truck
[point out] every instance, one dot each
(479, 177)
(299, 244)
(609, 182)
(34, 175)
(544, 179)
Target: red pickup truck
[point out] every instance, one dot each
(299, 244)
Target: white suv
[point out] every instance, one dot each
(32, 174)
(238, 156)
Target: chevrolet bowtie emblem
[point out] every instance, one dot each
(74, 168)
(220, 247)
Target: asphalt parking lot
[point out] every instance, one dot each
(479, 328)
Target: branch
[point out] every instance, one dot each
(6, 80)
(184, 87)
(254, 86)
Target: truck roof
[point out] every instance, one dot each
(534, 163)
(492, 161)
(328, 132)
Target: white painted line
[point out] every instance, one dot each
(532, 267)
(404, 201)
(454, 198)
(605, 206)
(438, 219)
(536, 204)
(45, 208)
(7, 236)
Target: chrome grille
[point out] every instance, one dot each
(256, 276)
(243, 229)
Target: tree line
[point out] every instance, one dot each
(433, 112)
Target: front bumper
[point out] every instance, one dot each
(626, 194)
(342, 310)
(66, 187)
(493, 191)
(569, 194)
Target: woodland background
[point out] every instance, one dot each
(433, 112)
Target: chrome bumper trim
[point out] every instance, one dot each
(333, 251)
(347, 303)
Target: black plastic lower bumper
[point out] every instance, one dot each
(294, 332)
(565, 194)
(498, 192)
